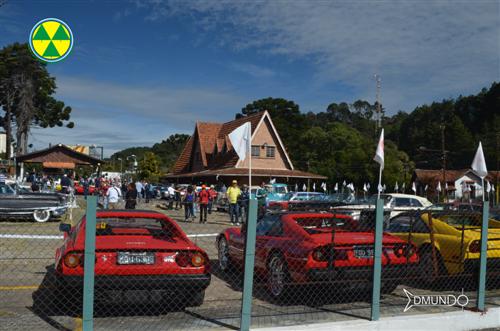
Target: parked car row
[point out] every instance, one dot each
(148, 250)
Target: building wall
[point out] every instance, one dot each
(263, 136)
(467, 178)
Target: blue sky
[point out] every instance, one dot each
(142, 70)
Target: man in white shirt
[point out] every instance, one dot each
(138, 188)
(171, 196)
(113, 196)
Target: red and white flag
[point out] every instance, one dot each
(379, 154)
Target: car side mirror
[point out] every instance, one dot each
(65, 227)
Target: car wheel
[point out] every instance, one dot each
(41, 216)
(388, 287)
(277, 276)
(196, 299)
(223, 254)
(426, 266)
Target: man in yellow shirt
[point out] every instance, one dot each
(233, 192)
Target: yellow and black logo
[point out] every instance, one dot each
(51, 40)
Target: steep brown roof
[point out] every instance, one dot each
(433, 176)
(212, 135)
(232, 172)
(58, 153)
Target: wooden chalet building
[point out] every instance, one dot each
(209, 157)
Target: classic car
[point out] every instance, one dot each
(395, 202)
(315, 249)
(453, 237)
(79, 189)
(135, 250)
(303, 201)
(17, 202)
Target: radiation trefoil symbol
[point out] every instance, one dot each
(51, 40)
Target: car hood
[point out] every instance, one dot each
(352, 238)
(118, 242)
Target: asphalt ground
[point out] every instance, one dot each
(26, 268)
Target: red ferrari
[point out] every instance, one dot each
(79, 189)
(135, 250)
(315, 249)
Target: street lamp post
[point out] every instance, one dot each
(121, 165)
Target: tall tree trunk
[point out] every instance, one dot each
(8, 131)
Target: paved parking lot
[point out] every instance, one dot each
(27, 255)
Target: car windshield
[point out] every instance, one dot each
(373, 199)
(6, 189)
(459, 220)
(317, 225)
(108, 226)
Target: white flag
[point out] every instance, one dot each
(368, 186)
(240, 138)
(336, 187)
(426, 187)
(488, 186)
(272, 181)
(344, 183)
(314, 187)
(479, 164)
(380, 188)
(351, 187)
(396, 187)
(365, 189)
(438, 188)
(414, 187)
(304, 187)
(384, 187)
(404, 187)
(379, 154)
(323, 186)
(296, 187)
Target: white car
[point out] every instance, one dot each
(395, 202)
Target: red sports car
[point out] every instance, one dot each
(315, 249)
(135, 250)
(79, 188)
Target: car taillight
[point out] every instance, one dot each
(321, 254)
(475, 246)
(197, 260)
(190, 259)
(404, 250)
(72, 260)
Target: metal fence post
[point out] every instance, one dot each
(246, 304)
(88, 274)
(377, 260)
(483, 258)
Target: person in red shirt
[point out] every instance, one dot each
(203, 199)
(213, 197)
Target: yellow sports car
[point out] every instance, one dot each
(456, 238)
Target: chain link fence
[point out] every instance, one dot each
(155, 269)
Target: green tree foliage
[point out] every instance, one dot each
(149, 167)
(26, 90)
(167, 151)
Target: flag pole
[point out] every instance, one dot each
(482, 184)
(250, 159)
(379, 181)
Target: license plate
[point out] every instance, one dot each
(135, 258)
(363, 252)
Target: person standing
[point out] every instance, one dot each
(178, 198)
(232, 194)
(189, 198)
(130, 197)
(113, 194)
(243, 203)
(203, 200)
(213, 195)
(172, 195)
(138, 188)
(261, 196)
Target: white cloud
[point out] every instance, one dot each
(252, 70)
(117, 116)
(424, 50)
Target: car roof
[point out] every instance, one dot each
(129, 212)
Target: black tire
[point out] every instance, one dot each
(223, 254)
(426, 266)
(196, 299)
(278, 278)
(388, 287)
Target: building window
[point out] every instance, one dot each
(270, 151)
(255, 151)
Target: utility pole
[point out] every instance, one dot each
(443, 151)
(378, 111)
